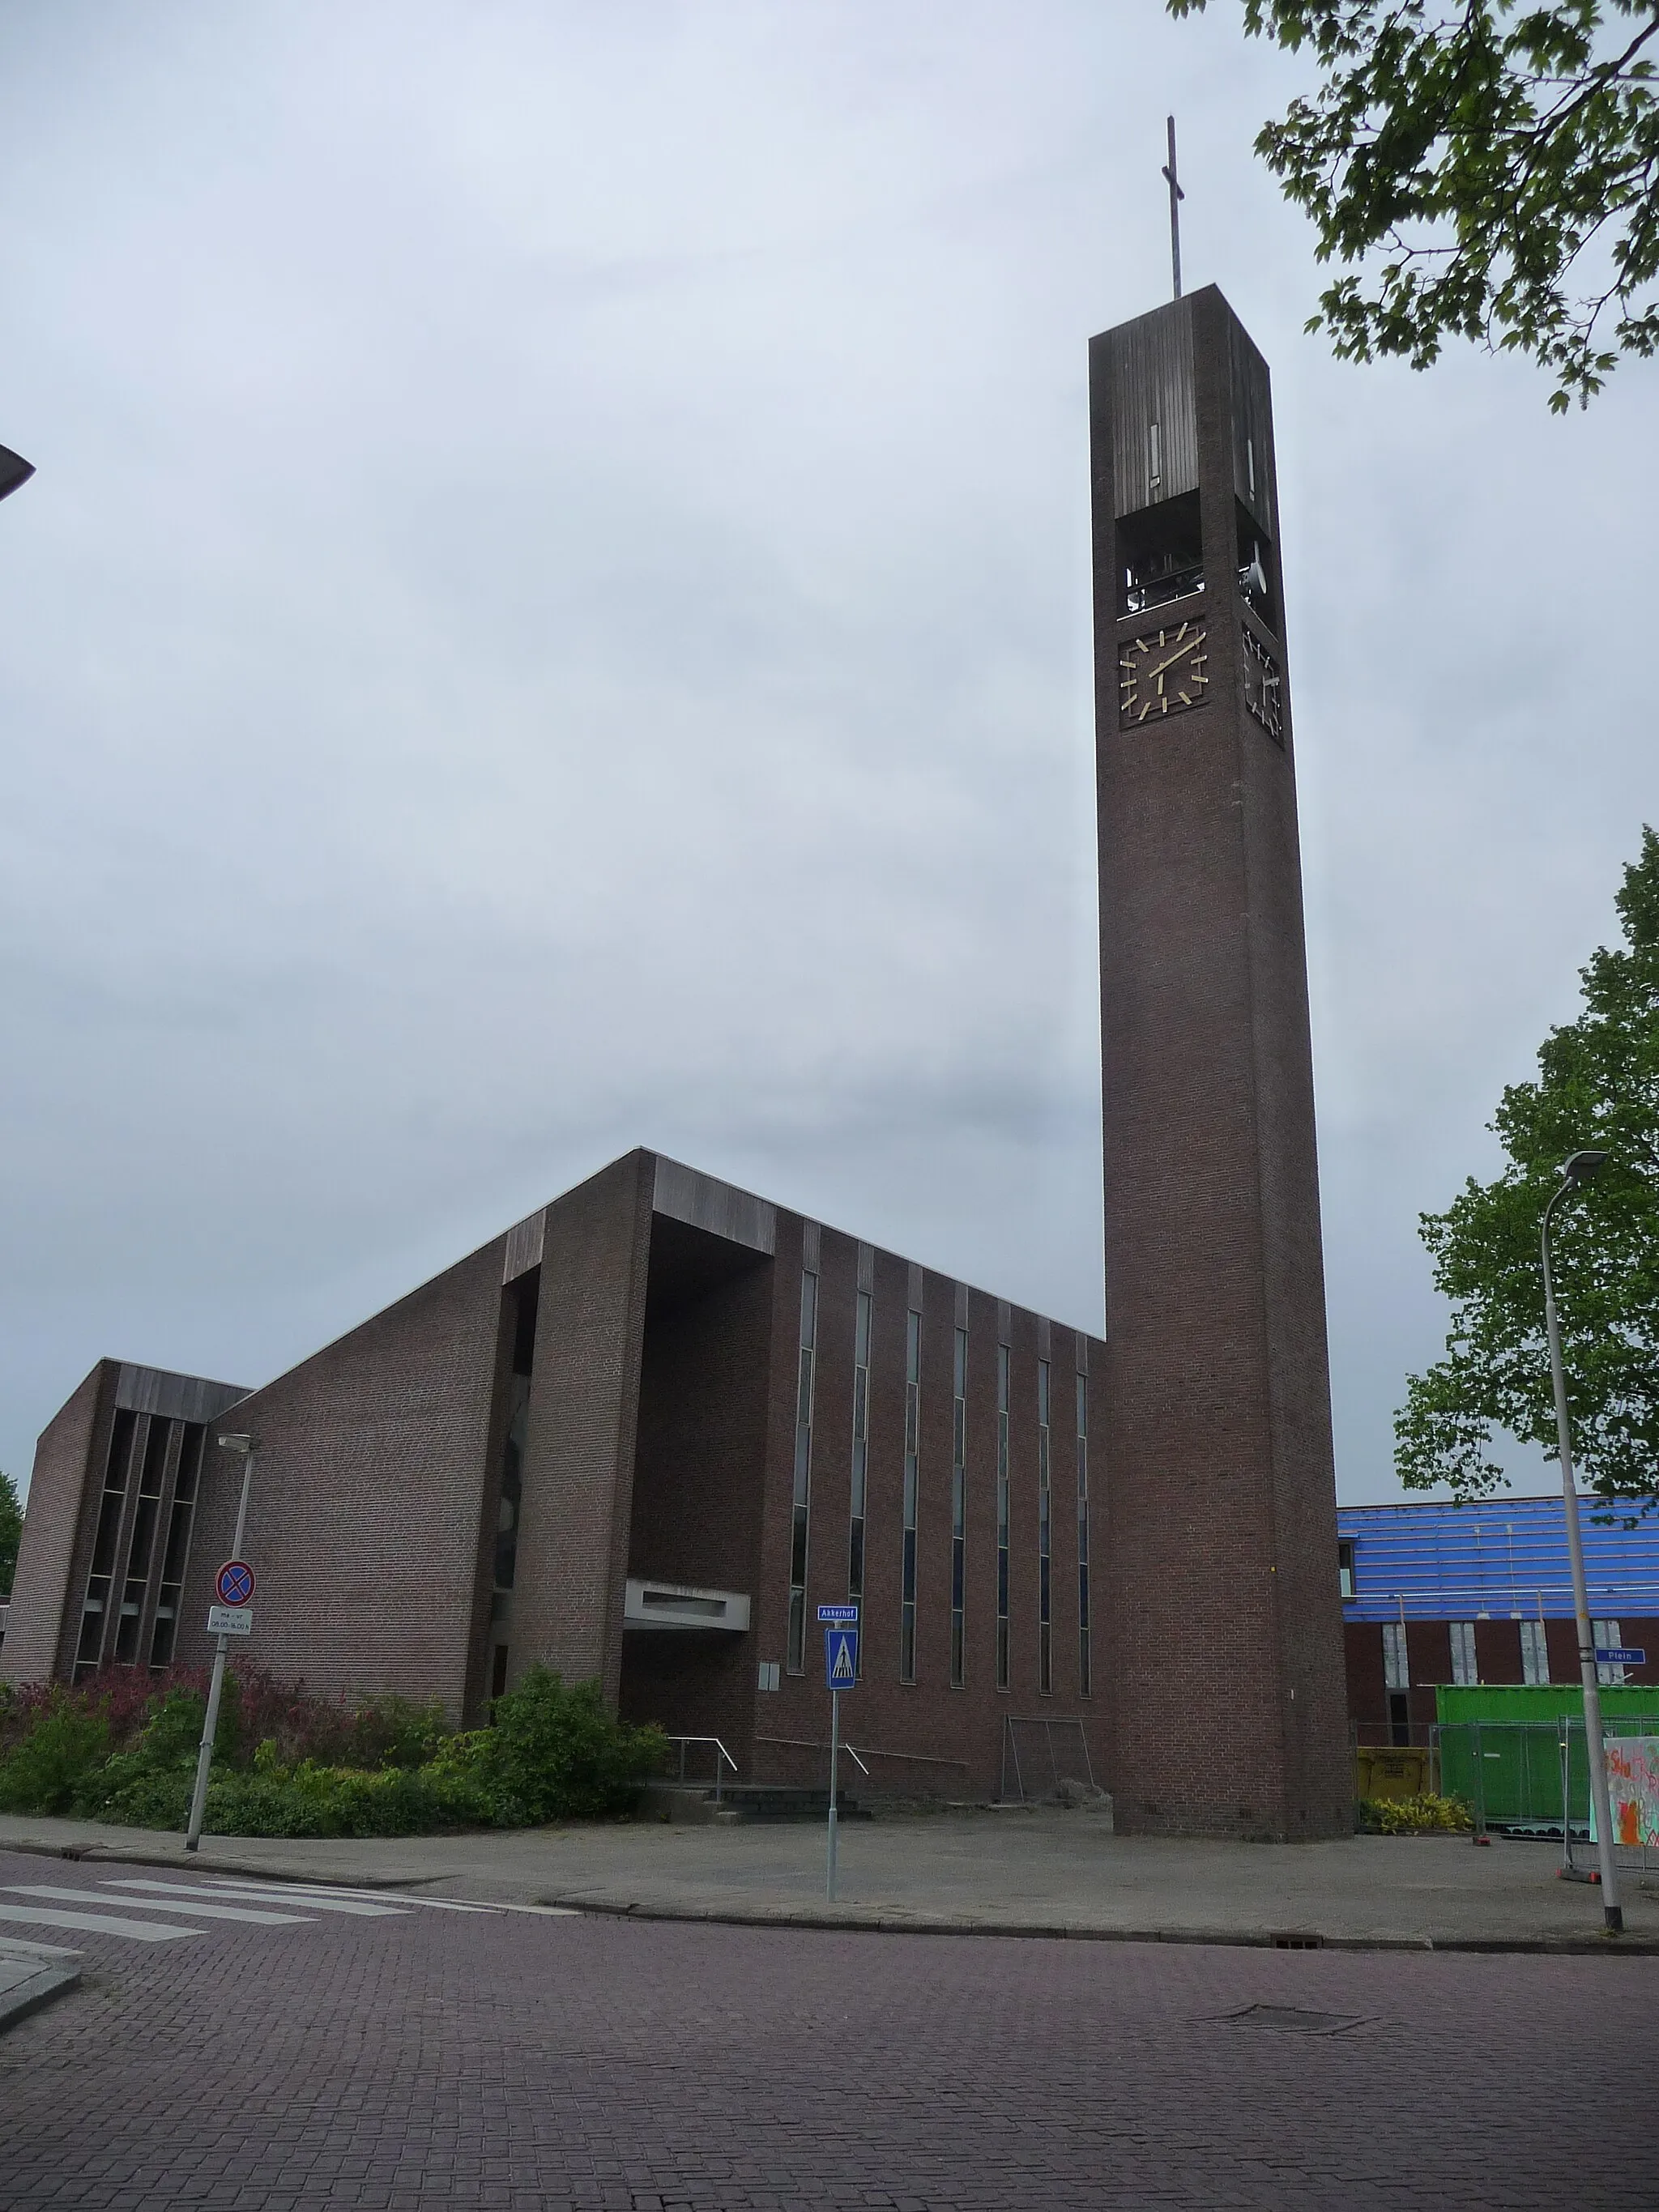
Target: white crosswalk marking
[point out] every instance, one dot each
(139, 1931)
(193, 1906)
(404, 1898)
(313, 1904)
(330, 1889)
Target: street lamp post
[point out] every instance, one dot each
(1574, 1172)
(245, 1447)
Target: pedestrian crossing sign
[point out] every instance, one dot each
(841, 1657)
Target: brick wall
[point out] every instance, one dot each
(584, 1411)
(923, 1738)
(45, 1593)
(1223, 1628)
(363, 1526)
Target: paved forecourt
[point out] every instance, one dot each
(1048, 1871)
(414, 2056)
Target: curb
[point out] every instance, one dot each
(118, 1855)
(876, 1921)
(19, 2001)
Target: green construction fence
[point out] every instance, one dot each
(1500, 1746)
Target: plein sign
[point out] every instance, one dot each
(229, 1620)
(233, 1584)
(1622, 1655)
(841, 1657)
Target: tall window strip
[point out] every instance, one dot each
(1396, 1659)
(169, 1597)
(959, 1512)
(1003, 1364)
(912, 1450)
(1464, 1673)
(96, 1607)
(1084, 1677)
(860, 1445)
(1045, 1540)
(803, 1492)
(152, 1467)
(1535, 1652)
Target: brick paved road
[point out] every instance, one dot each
(435, 2059)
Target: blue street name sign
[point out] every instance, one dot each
(838, 1613)
(1620, 1655)
(841, 1658)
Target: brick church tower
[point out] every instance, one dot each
(1219, 1568)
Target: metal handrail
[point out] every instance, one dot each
(722, 1761)
(812, 1743)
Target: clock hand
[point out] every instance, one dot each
(1181, 653)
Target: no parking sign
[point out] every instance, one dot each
(233, 1584)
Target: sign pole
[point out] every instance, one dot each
(216, 1689)
(835, 1746)
(841, 1666)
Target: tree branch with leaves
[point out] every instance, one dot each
(1597, 1084)
(1489, 172)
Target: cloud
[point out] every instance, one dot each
(554, 616)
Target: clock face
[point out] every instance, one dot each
(1162, 673)
(1263, 692)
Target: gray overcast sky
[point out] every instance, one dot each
(554, 616)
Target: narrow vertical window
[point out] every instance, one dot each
(959, 1510)
(1609, 1673)
(860, 1446)
(96, 1607)
(803, 1489)
(170, 1596)
(1465, 1674)
(1045, 1532)
(151, 1470)
(1085, 1674)
(1002, 1516)
(1535, 1652)
(912, 1450)
(524, 1300)
(1396, 1661)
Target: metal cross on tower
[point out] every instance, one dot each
(1177, 196)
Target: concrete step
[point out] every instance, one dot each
(784, 1800)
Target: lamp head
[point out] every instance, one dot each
(13, 471)
(1582, 1166)
(240, 1443)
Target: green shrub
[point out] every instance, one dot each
(66, 1742)
(394, 1732)
(555, 1753)
(309, 1799)
(149, 1786)
(114, 1751)
(1399, 1816)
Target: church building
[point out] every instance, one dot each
(646, 1433)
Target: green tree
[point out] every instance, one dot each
(1597, 1084)
(1486, 171)
(11, 1532)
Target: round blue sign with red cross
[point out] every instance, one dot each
(235, 1582)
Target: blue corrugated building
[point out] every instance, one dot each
(1435, 1593)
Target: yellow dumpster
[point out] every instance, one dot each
(1392, 1770)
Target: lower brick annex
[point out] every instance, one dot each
(640, 1436)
